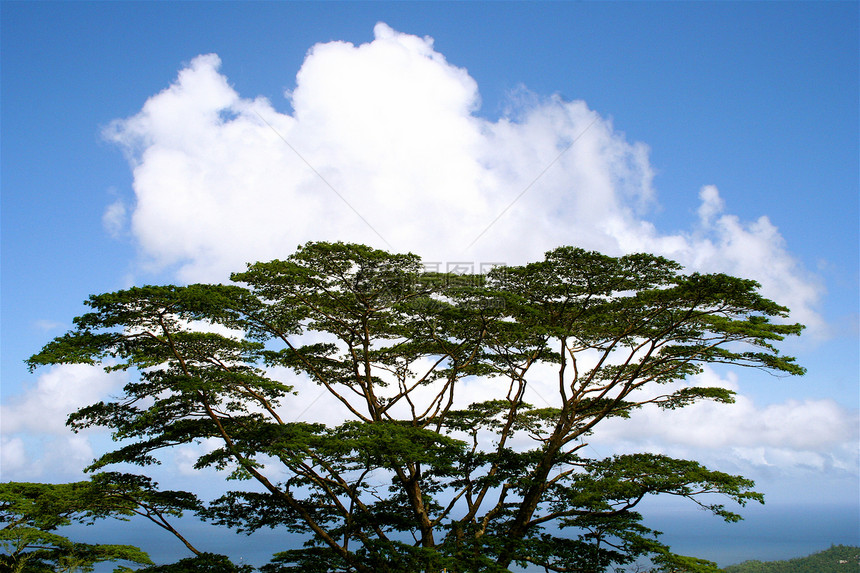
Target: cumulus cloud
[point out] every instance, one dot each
(384, 147)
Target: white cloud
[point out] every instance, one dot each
(384, 147)
(35, 439)
(712, 205)
(819, 434)
(13, 455)
(114, 218)
(58, 392)
(45, 457)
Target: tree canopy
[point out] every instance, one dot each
(32, 513)
(415, 478)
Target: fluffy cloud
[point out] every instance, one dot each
(35, 438)
(13, 454)
(384, 147)
(58, 392)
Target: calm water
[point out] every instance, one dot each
(767, 533)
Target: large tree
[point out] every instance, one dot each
(414, 478)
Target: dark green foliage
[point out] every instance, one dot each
(837, 559)
(414, 479)
(203, 563)
(31, 514)
(28, 550)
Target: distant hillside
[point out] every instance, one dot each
(837, 559)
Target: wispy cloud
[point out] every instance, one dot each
(48, 325)
(114, 218)
(810, 433)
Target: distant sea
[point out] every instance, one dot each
(767, 533)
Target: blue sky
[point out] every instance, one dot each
(721, 134)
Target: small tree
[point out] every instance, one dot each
(31, 514)
(414, 479)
